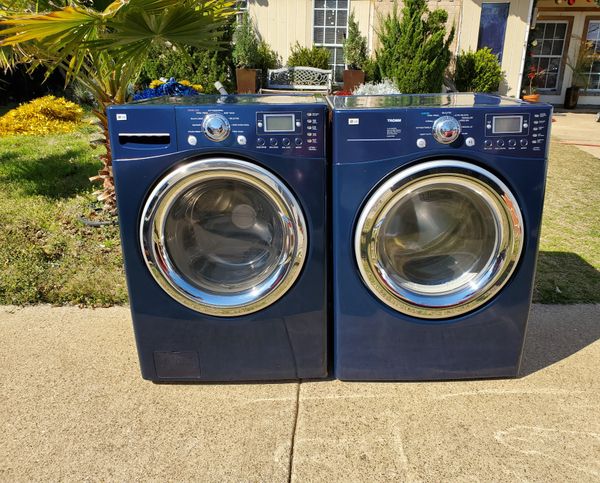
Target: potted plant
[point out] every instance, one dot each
(580, 67)
(531, 94)
(246, 56)
(355, 55)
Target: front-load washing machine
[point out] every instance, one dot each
(437, 205)
(222, 213)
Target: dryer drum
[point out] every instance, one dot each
(439, 239)
(223, 236)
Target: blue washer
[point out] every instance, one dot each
(437, 207)
(223, 225)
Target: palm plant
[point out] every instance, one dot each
(103, 44)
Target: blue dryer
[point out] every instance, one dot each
(223, 226)
(437, 206)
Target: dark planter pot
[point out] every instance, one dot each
(571, 97)
(247, 81)
(352, 79)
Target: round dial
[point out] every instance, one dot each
(446, 129)
(216, 127)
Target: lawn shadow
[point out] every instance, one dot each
(565, 278)
(54, 176)
(555, 332)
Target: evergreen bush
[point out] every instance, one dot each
(477, 71)
(317, 57)
(246, 44)
(355, 46)
(415, 50)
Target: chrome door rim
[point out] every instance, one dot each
(273, 286)
(463, 297)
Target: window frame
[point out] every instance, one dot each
(330, 45)
(563, 59)
(586, 25)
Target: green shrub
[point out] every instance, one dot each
(317, 57)
(197, 66)
(371, 71)
(477, 71)
(415, 50)
(267, 57)
(246, 45)
(355, 46)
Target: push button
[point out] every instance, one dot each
(512, 143)
(192, 140)
(298, 141)
(500, 143)
(273, 141)
(470, 142)
(488, 143)
(523, 142)
(285, 141)
(260, 142)
(421, 143)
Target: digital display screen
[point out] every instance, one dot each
(507, 124)
(279, 123)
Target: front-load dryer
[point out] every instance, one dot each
(222, 214)
(437, 206)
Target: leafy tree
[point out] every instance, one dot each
(104, 44)
(199, 66)
(304, 57)
(415, 50)
(355, 46)
(477, 71)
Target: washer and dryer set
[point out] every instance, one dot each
(363, 237)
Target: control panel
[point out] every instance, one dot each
(383, 133)
(278, 130)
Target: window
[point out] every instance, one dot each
(492, 27)
(547, 52)
(593, 44)
(329, 30)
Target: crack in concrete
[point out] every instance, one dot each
(293, 441)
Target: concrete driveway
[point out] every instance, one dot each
(73, 407)
(577, 128)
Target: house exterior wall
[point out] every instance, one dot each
(576, 16)
(283, 22)
(515, 40)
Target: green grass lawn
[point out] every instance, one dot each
(47, 255)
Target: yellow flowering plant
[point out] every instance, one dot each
(45, 115)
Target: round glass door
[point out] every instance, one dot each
(223, 237)
(439, 239)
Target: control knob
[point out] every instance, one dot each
(446, 129)
(216, 127)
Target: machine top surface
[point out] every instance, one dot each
(422, 100)
(208, 99)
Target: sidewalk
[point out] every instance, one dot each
(74, 407)
(579, 129)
